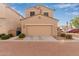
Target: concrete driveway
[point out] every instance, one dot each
(40, 38)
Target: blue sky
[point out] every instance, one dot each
(64, 12)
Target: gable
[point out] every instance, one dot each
(7, 12)
(38, 10)
(12, 13)
(43, 7)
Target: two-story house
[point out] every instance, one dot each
(39, 21)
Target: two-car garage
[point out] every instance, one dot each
(39, 30)
(33, 26)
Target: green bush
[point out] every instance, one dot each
(62, 35)
(0, 35)
(68, 36)
(21, 35)
(4, 37)
(10, 35)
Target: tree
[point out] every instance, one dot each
(75, 22)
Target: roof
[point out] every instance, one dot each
(15, 12)
(37, 15)
(41, 6)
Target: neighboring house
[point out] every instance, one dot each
(39, 21)
(67, 27)
(9, 20)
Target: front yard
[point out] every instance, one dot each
(65, 37)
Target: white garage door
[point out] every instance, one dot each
(39, 30)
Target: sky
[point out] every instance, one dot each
(64, 12)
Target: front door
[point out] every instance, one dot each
(18, 31)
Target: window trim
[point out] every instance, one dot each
(46, 14)
(32, 13)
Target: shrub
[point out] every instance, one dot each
(62, 35)
(4, 37)
(0, 35)
(68, 36)
(10, 35)
(21, 35)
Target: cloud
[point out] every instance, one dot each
(66, 5)
(75, 13)
(76, 8)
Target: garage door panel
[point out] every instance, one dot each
(39, 30)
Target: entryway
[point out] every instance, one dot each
(18, 31)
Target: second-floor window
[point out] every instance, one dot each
(32, 13)
(46, 13)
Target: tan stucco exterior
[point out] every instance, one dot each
(37, 11)
(39, 24)
(9, 19)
